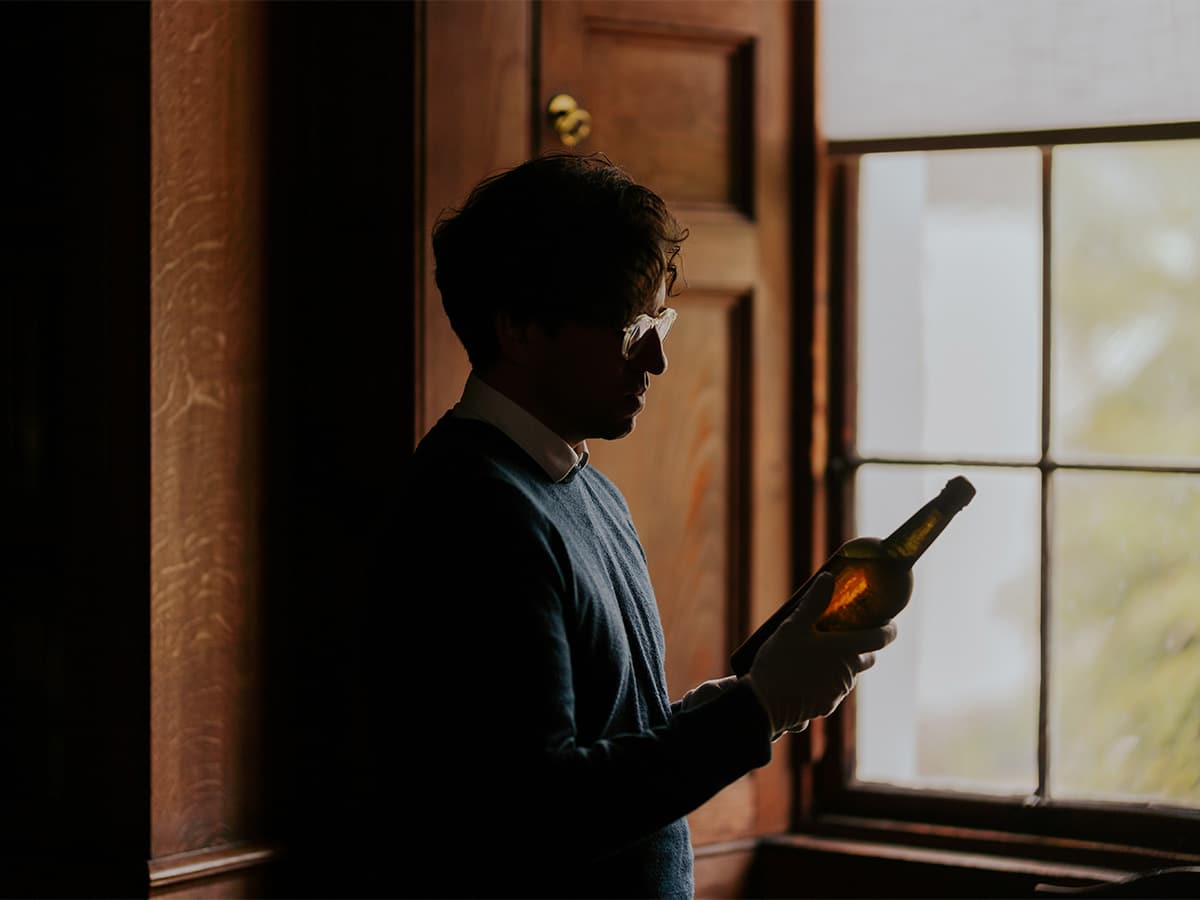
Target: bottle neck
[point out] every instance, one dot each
(908, 542)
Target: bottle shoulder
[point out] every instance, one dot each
(862, 548)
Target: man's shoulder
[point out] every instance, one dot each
(604, 486)
(462, 445)
(460, 455)
(468, 484)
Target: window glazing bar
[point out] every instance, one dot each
(1098, 135)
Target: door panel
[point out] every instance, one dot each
(681, 110)
(693, 99)
(680, 466)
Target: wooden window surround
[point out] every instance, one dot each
(837, 816)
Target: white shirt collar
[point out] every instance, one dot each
(483, 402)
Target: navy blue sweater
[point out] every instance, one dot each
(542, 742)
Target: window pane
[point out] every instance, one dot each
(1125, 637)
(917, 67)
(949, 292)
(1126, 301)
(953, 702)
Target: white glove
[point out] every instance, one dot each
(800, 673)
(706, 691)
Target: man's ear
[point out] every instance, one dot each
(517, 340)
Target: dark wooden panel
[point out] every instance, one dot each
(205, 422)
(342, 203)
(729, 815)
(74, 463)
(721, 870)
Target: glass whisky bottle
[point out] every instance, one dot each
(872, 577)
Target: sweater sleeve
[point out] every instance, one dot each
(496, 714)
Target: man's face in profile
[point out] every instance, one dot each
(592, 388)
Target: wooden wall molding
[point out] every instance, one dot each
(181, 868)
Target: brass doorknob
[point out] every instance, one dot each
(572, 122)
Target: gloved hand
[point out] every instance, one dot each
(706, 691)
(801, 673)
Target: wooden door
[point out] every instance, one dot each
(693, 99)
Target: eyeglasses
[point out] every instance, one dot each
(636, 331)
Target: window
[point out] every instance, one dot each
(1016, 296)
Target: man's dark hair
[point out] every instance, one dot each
(560, 238)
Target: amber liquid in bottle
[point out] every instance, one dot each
(872, 578)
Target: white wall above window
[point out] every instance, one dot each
(898, 68)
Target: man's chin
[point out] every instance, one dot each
(620, 429)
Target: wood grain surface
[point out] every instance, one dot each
(205, 421)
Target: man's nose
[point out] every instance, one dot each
(650, 355)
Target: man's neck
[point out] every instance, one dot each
(513, 384)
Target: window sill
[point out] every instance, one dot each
(844, 856)
(1119, 857)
